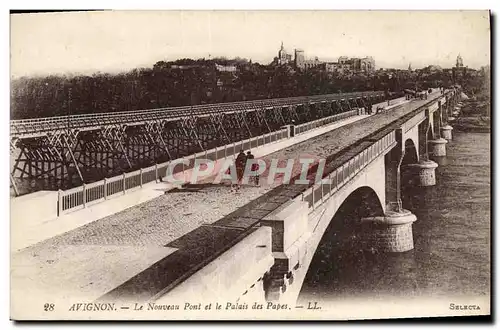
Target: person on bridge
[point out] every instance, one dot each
(240, 162)
(255, 167)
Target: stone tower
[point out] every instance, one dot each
(460, 62)
(282, 55)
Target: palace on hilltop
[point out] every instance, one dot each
(344, 65)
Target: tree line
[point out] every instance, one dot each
(195, 82)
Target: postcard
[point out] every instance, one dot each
(250, 165)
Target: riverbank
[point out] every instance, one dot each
(473, 125)
(475, 115)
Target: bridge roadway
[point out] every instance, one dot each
(92, 260)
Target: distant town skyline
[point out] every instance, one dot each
(114, 41)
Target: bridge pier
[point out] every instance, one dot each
(389, 233)
(438, 147)
(426, 172)
(444, 128)
(446, 132)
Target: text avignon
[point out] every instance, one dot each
(92, 307)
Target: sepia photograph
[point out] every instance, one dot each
(250, 164)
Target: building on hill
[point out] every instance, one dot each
(300, 59)
(225, 68)
(460, 62)
(367, 64)
(344, 64)
(354, 64)
(333, 67)
(343, 60)
(309, 64)
(299, 62)
(459, 71)
(184, 67)
(302, 63)
(283, 56)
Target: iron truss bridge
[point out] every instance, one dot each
(61, 152)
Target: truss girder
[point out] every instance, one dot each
(91, 147)
(49, 159)
(290, 114)
(25, 127)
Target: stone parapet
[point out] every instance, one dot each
(289, 224)
(231, 275)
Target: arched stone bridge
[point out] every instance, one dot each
(270, 259)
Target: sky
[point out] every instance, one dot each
(113, 41)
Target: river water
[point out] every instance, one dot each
(451, 237)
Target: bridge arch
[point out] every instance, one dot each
(411, 152)
(367, 187)
(342, 234)
(362, 196)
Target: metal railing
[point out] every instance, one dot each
(325, 121)
(80, 197)
(336, 179)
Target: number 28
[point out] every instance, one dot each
(48, 307)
